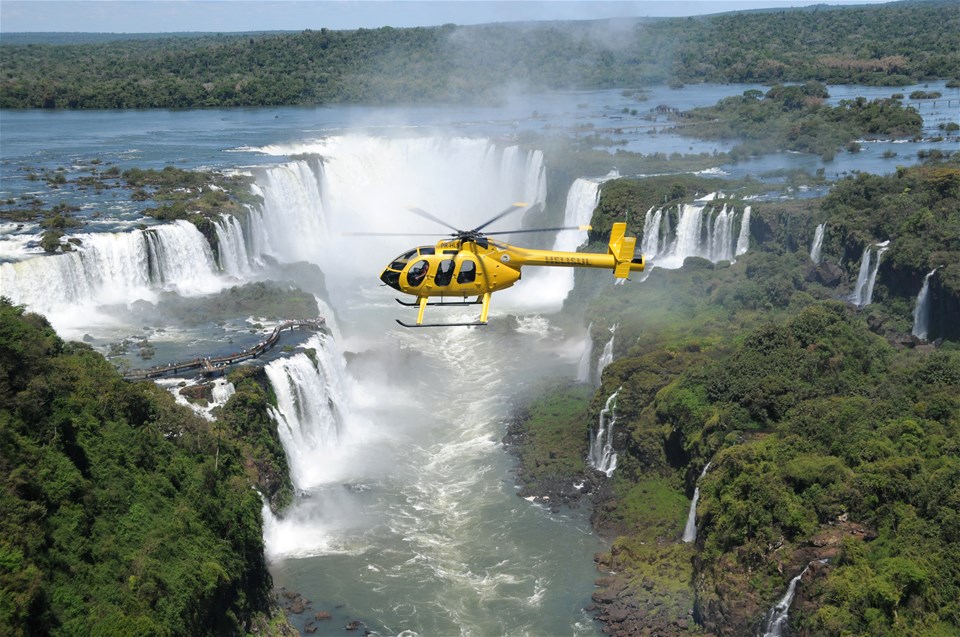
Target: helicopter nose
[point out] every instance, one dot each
(391, 278)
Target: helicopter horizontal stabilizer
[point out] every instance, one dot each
(476, 324)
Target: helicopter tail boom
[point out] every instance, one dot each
(619, 258)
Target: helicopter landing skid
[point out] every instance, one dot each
(416, 304)
(476, 324)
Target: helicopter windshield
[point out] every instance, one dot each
(403, 259)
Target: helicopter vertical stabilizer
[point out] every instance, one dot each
(622, 248)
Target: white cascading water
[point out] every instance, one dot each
(721, 237)
(859, 288)
(583, 366)
(743, 239)
(312, 408)
(582, 199)
(689, 241)
(221, 391)
(867, 277)
(113, 268)
(699, 233)
(293, 224)
(602, 457)
(921, 313)
(817, 243)
(606, 357)
(690, 530)
(872, 281)
(779, 614)
(650, 242)
(367, 184)
(232, 246)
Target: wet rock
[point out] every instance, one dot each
(829, 274)
(198, 392)
(353, 625)
(323, 615)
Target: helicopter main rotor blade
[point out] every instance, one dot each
(488, 234)
(395, 234)
(426, 215)
(513, 207)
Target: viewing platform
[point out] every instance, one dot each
(210, 366)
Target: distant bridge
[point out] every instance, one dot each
(210, 366)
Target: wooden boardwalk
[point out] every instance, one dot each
(216, 365)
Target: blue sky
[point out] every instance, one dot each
(152, 16)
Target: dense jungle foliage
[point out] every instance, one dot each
(908, 42)
(827, 440)
(121, 512)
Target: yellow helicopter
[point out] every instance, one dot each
(472, 265)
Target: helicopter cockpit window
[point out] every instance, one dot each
(417, 273)
(468, 272)
(444, 273)
(427, 250)
(403, 259)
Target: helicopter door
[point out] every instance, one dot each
(417, 273)
(444, 273)
(468, 272)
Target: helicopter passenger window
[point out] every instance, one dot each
(468, 272)
(417, 273)
(444, 273)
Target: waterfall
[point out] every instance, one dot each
(115, 268)
(220, 393)
(582, 200)
(921, 313)
(583, 367)
(817, 243)
(293, 220)
(858, 295)
(650, 244)
(699, 233)
(881, 248)
(721, 242)
(778, 615)
(867, 277)
(689, 231)
(690, 530)
(350, 182)
(743, 240)
(602, 457)
(232, 247)
(367, 184)
(606, 357)
(312, 404)
(553, 284)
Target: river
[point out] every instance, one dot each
(407, 516)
